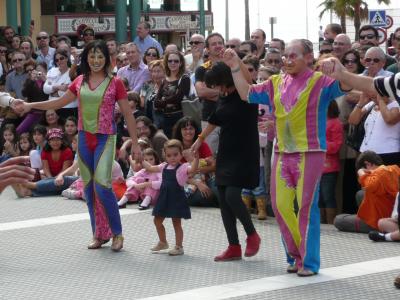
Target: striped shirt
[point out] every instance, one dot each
(388, 86)
(299, 106)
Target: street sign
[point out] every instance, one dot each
(377, 18)
(382, 33)
(389, 22)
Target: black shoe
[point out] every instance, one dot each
(376, 236)
(143, 207)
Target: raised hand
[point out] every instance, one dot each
(332, 67)
(230, 58)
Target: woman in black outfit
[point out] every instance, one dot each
(237, 159)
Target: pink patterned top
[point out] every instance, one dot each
(181, 174)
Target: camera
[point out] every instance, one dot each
(39, 74)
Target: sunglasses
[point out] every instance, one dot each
(17, 59)
(195, 42)
(41, 38)
(375, 60)
(349, 61)
(88, 34)
(61, 58)
(326, 51)
(3, 51)
(152, 54)
(369, 36)
(230, 46)
(175, 61)
(273, 61)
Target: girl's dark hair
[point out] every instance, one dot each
(39, 129)
(333, 110)
(135, 97)
(10, 127)
(368, 156)
(25, 135)
(94, 45)
(182, 123)
(147, 122)
(43, 64)
(151, 151)
(64, 53)
(219, 75)
(145, 53)
(73, 119)
(182, 66)
(360, 67)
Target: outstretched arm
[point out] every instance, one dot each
(333, 68)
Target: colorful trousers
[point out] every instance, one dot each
(96, 153)
(296, 176)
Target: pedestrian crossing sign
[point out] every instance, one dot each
(377, 18)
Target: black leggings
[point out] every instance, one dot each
(232, 207)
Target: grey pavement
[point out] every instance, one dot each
(51, 261)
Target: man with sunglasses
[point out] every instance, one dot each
(45, 52)
(368, 35)
(374, 61)
(195, 58)
(234, 44)
(273, 59)
(16, 78)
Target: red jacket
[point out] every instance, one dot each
(334, 140)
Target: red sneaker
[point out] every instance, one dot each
(253, 244)
(234, 252)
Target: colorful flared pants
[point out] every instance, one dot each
(296, 176)
(96, 153)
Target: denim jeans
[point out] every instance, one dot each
(327, 195)
(197, 198)
(47, 187)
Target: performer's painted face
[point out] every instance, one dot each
(294, 60)
(96, 60)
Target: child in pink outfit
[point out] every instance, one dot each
(137, 190)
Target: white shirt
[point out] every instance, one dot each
(380, 137)
(54, 77)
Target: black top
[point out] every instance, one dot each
(238, 156)
(209, 106)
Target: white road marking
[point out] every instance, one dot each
(55, 220)
(267, 284)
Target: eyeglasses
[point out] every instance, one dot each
(230, 46)
(17, 59)
(88, 34)
(369, 36)
(195, 42)
(61, 58)
(152, 54)
(325, 51)
(175, 61)
(349, 61)
(29, 70)
(3, 51)
(42, 38)
(375, 60)
(273, 61)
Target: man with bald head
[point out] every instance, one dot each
(234, 44)
(374, 62)
(299, 101)
(341, 45)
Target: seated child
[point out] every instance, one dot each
(388, 227)
(136, 190)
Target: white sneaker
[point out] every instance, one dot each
(68, 193)
(177, 250)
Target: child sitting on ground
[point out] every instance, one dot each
(136, 187)
(388, 227)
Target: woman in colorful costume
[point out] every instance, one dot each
(97, 92)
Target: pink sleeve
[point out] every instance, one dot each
(120, 92)
(73, 87)
(182, 174)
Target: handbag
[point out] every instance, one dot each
(356, 133)
(192, 105)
